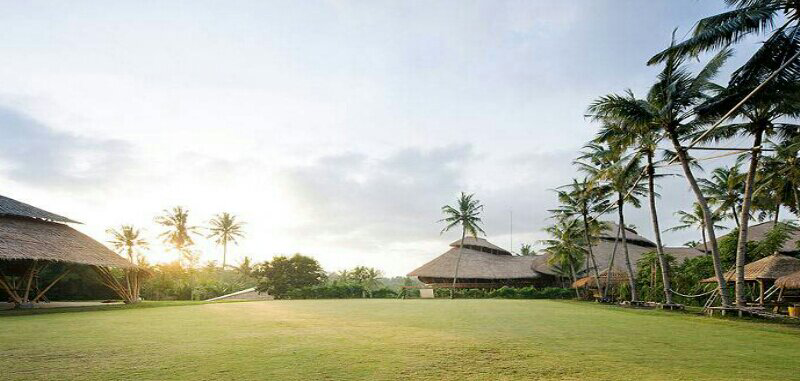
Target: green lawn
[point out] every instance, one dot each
(393, 339)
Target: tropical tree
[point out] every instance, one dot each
(622, 174)
(780, 173)
(179, 232)
(526, 249)
(466, 213)
(725, 189)
(225, 228)
(669, 109)
(583, 198)
(632, 133)
(694, 219)
(245, 267)
(566, 248)
(129, 242)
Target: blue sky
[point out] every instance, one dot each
(334, 128)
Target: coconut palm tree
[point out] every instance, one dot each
(694, 219)
(670, 109)
(566, 247)
(179, 232)
(466, 213)
(634, 134)
(225, 228)
(725, 189)
(526, 249)
(622, 174)
(780, 173)
(583, 198)
(129, 242)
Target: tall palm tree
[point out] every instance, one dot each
(669, 109)
(627, 134)
(780, 173)
(622, 174)
(179, 232)
(129, 242)
(583, 198)
(725, 188)
(694, 219)
(526, 250)
(566, 247)
(225, 228)
(466, 213)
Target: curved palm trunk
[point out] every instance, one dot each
(631, 275)
(741, 245)
(705, 242)
(796, 200)
(611, 264)
(777, 211)
(662, 259)
(591, 252)
(707, 220)
(574, 277)
(735, 215)
(458, 261)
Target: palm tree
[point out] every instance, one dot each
(622, 175)
(178, 233)
(748, 17)
(780, 173)
(725, 189)
(466, 213)
(128, 241)
(225, 228)
(624, 134)
(669, 109)
(582, 198)
(245, 267)
(565, 248)
(526, 249)
(694, 219)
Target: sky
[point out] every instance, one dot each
(335, 129)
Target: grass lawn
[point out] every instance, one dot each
(393, 339)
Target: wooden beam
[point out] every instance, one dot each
(41, 293)
(13, 294)
(31, 271)
(761, 291)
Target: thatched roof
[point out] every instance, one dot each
(478, 265)
(770, 267)
(758, 232)
(791, 281)
(480, 244)
(617, 277)
(30, 238)
(11, 207)
(610, 232)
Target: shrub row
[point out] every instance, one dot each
(509, 293)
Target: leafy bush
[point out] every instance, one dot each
(508, 293)
(339, 290)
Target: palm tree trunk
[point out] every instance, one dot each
(224, 252)
(611, 264)
(662, 259)
(796, 200)
(591, 251)
(707, 220)
(777, 211)
(574, 277)
(631, 277)
(705, 242)
(735, 216)
(458, 261)
(741, 245)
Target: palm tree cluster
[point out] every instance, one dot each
(640, 136)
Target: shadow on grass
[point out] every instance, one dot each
(110, 307)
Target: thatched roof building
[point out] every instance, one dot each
(603, 250)
(617, 277)
(31, 237)
(483, 264)
(770, 267)
(791, 281)
(758, 232)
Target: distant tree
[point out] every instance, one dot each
(466, 213)
(526, 250)
(283, 274)
(179, 232)
(566, 247)
(245, 267)
(225, 228)
(725, 189)
(694, 219)
(367, 277)
(127, 241)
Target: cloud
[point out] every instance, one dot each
(33, 153)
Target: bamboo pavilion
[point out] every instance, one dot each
(482, 265)
(32, 238)
(764, 271)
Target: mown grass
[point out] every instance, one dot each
(393, 340)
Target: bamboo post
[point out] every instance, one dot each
(761, 292)
(31, 271)
(41, 293)
(13, 294)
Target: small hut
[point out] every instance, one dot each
(32, 238)
(617, 278)
(483, 265)
(765, 270)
